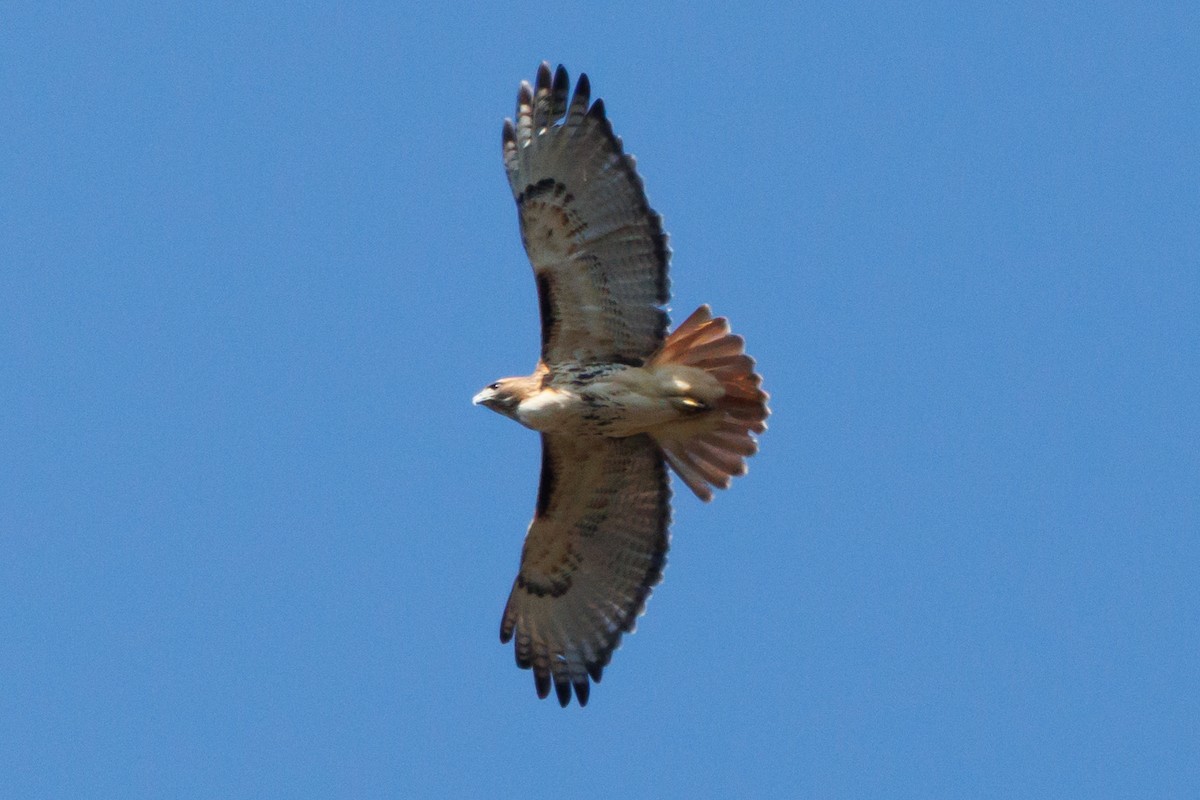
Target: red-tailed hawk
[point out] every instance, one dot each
(614, 397)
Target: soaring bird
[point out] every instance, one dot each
(615, 398)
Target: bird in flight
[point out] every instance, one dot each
(615, 398)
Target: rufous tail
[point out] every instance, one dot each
(710, 446)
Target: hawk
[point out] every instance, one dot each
(615, 399)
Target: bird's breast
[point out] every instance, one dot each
(551, 411)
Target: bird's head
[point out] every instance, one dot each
(503, 396)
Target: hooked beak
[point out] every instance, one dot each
(481, 398)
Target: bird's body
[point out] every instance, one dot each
(615, 398)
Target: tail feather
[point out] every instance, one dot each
(688, 473)
(733, 442)
(728, 461)
(698, 329)
(709, 449)
(716, 350)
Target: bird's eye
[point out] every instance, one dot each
(494, 387)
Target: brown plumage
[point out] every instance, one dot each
(614, 397)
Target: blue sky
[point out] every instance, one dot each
(254, 264)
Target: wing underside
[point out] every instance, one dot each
(595, 548)
(598, 250)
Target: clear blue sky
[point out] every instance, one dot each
(256, 540)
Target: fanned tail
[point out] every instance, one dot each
(710, 447)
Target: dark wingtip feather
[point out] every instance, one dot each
(596, 671)
(509, 134)
(597, 110)
(541, 682)
(583, 87)
(581, 692)
(507, 626)
(563, 690)
(543, 76)
(562, 83)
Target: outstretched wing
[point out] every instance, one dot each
(598, 250)
(596, 546)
